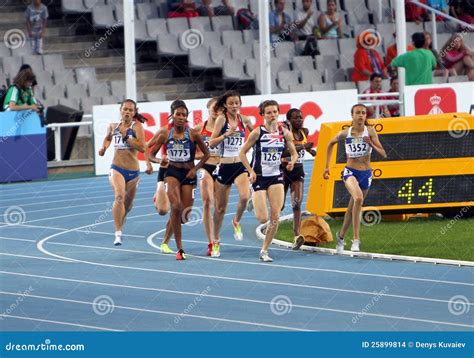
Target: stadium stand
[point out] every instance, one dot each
(83, 60)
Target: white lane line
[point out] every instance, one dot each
(82, 192)
(62, 229)
(59, 322)
(151, 243)
(323, 288)
(167, 313)
(34, 257)
(40, 245)
(137, 198)
(231, 298)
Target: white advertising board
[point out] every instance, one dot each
(439, 98)
(317, 108)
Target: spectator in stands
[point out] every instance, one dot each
(305, 20)
(207, 8)
(415, 13)
(456, 55)
(367, 60)
(440, 5)
(282, 27)
(440, 69)
(466, 14)
(20, 96)
(392, 51)
(28, 67)
(36, 16)
(376, 87)
(418, 63)
(393, 108)
(182, 8)
(330, 23)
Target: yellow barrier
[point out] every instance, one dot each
(430, 166)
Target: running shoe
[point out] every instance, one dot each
(264, 256)
(165, 249)
(340, 244)
(118, 241)
(237, 231)
(180, 255)
(298, 242)
(209, 250)
(216, 249)
(355, 245)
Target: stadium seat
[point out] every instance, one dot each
(201, 23)
(285, 50)
(323, 87)
(155, 27)
(70, 102)
(334, 75)
(240, 51)
(118, 88)
(177, 25)
(457, 79)
(233, 70)
(73, 7)
(88, 103)
(22, 50)
(326, 62)
(168, 45)
(199, 59)
(219, 54)
(156, 96)
(11, 65)
(211, 38)
(301, 63)
(287, 78)
(103, 16)
(86, 75)
(311, 77)
(141, 33)
(36, 62)
(253, 6)
(345, 85)
(279, 64)
(44, 78)
(328, 47)
(4, 50)
(300, 87)
(146, 11)
(230, 38)
(252, 66)
(250, 35)
(64, 77)
(222, 23)
(89, 4)
(347, 46)
(76, 91)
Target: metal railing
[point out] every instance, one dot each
(368, 99)
(56, 128)
(435, 12)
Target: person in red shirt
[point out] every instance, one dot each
(367, 60)
(376, 87)
(392, 51)
(393, 108)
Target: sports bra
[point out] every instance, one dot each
(357, 147)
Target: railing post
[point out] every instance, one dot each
(57, 143)
(434, 31)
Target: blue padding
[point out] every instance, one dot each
(20, 123)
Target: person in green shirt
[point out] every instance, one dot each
(20, 96)
(419, 63)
